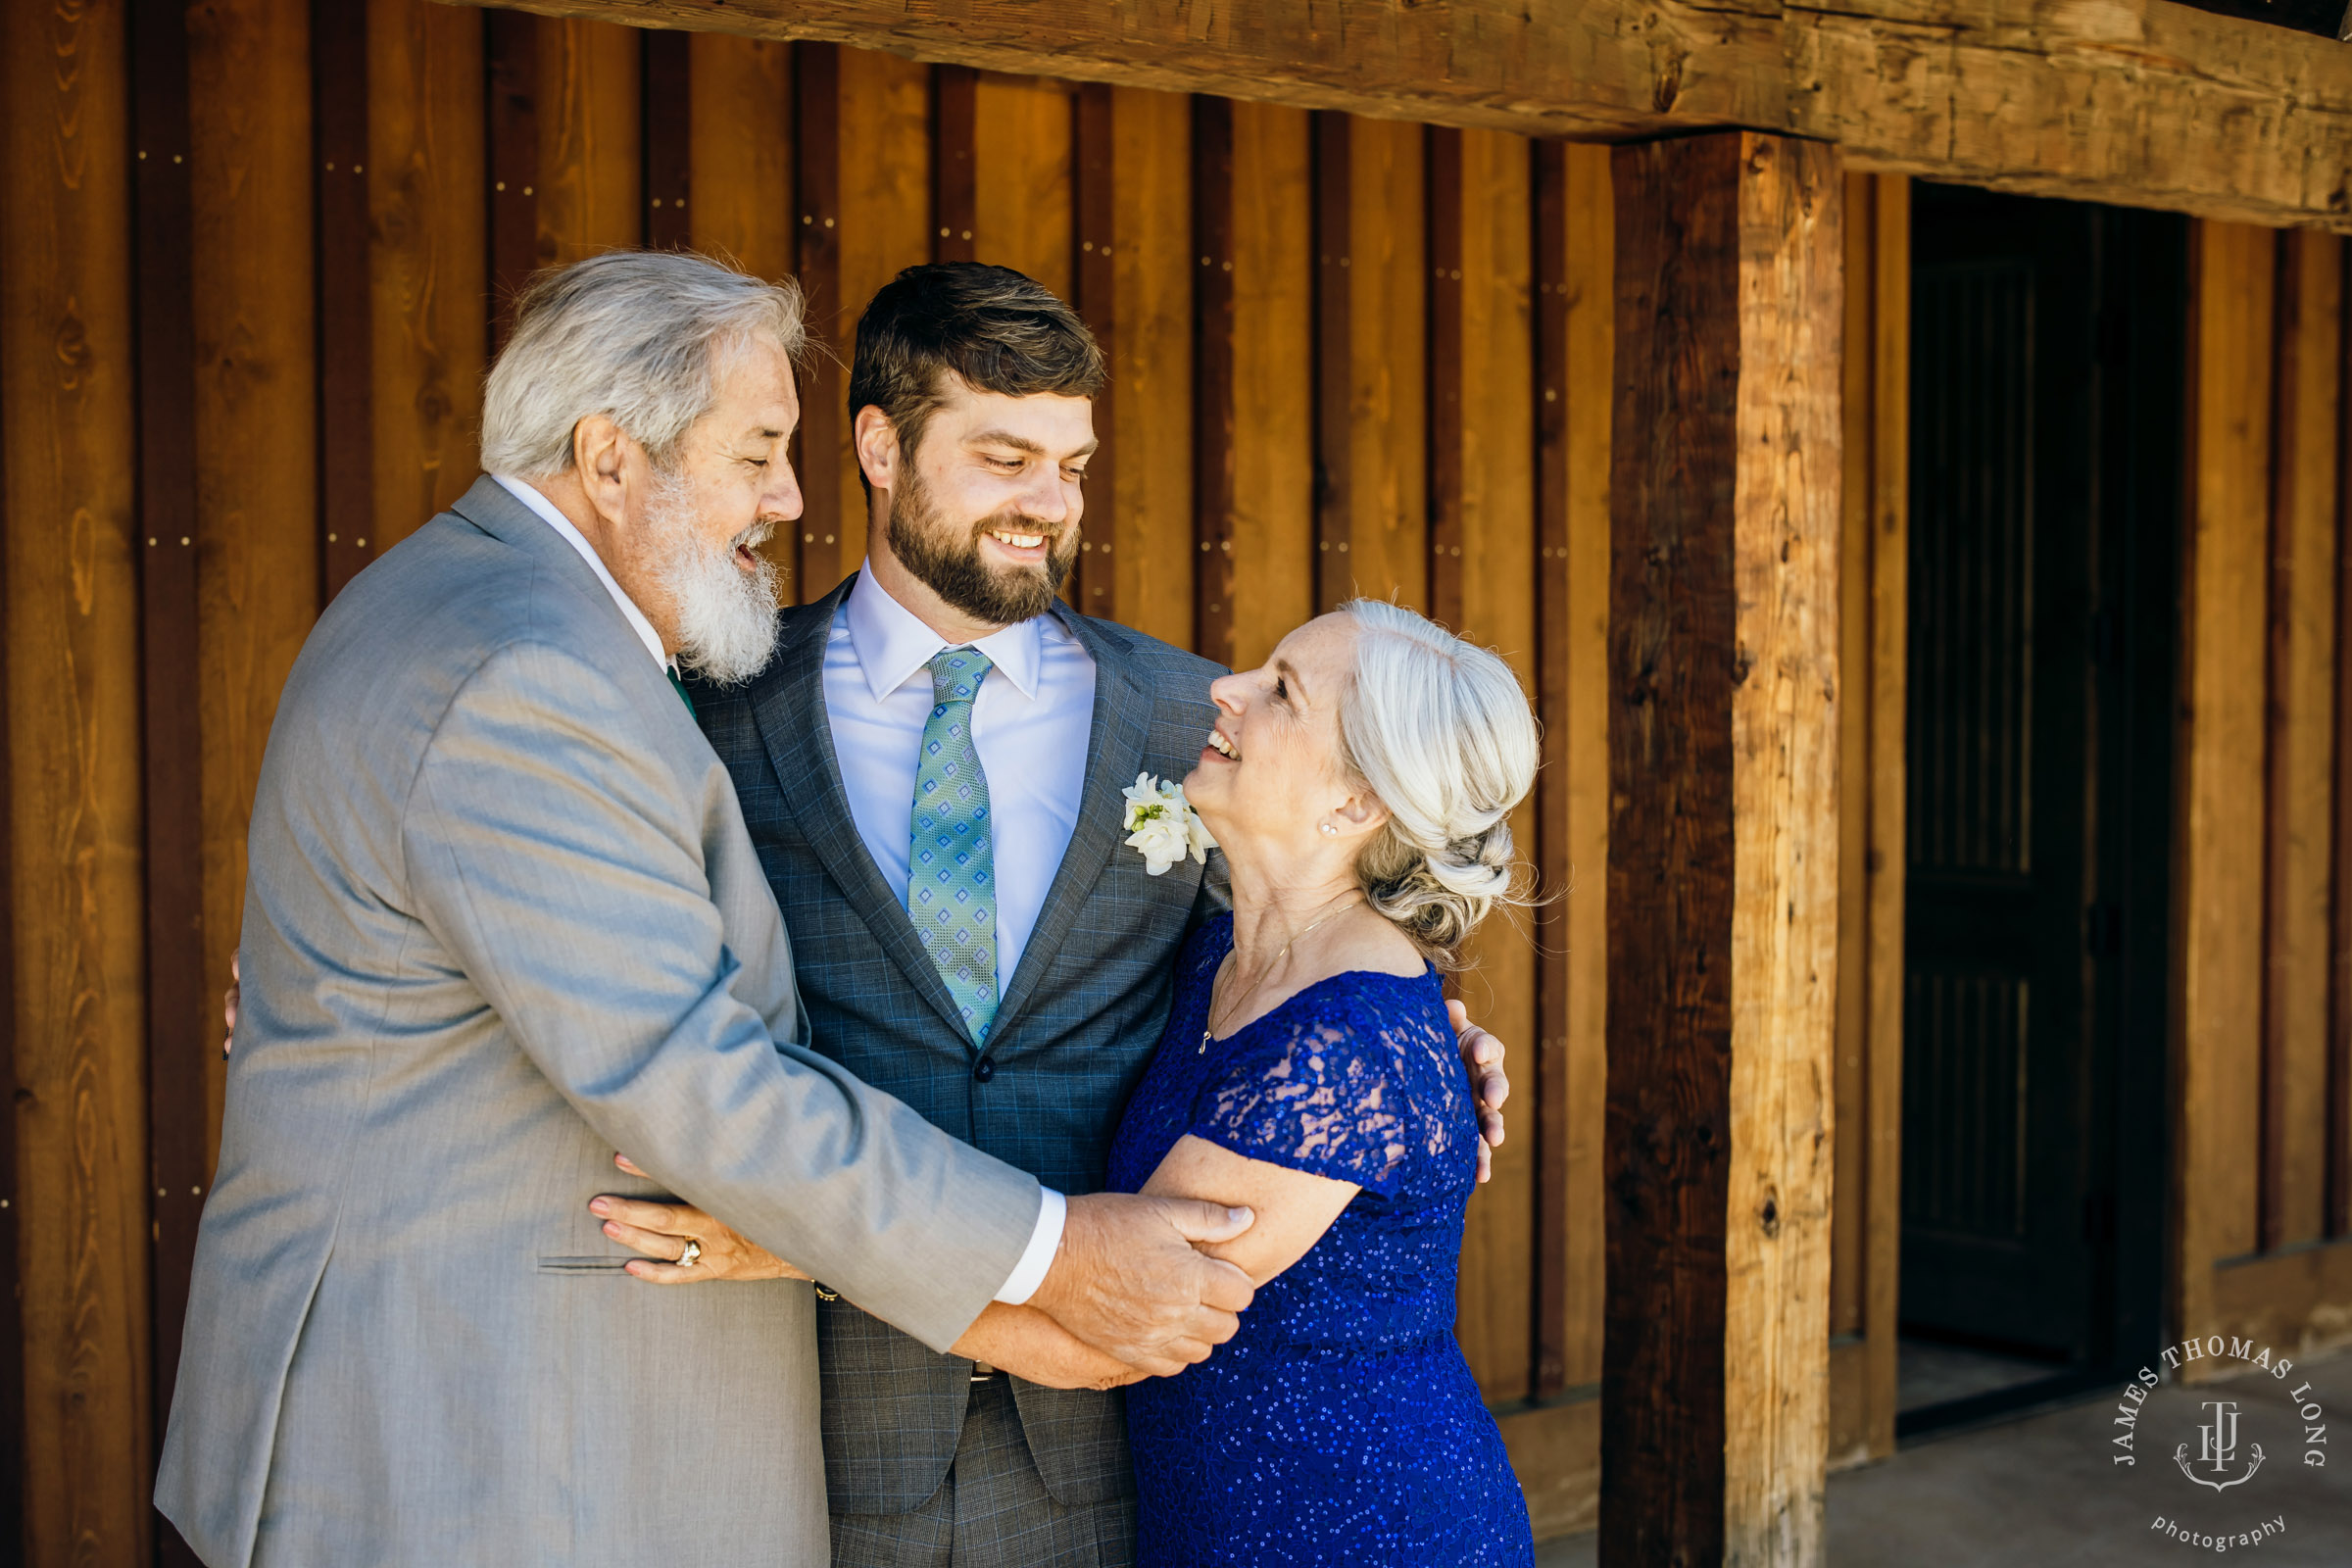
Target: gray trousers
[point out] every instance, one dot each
(991, 1511)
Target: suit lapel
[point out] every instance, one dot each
(1115, 754)
(789, 711)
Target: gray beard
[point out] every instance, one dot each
(726, 619)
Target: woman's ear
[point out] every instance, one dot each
(1362, 812)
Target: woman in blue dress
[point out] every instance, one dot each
(1360, 785)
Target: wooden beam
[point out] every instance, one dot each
(1588, 390)
(740, 161)
(2339, 916)
(1553, 859)
(1387, 549)
(2217, 893)
(1094, 169)
(510, 131)
(881, 147)
(824, 432)
(1151, 418)
(1722, 850)
(1335, 372)
(68, 456)
(1874, 588)
(591, 140)
(2298, 826)
(428, 258)
(1886, 691)
(667, 118)
(345, 303)
(954, 187)
(178, 1163)
(1273, 371)
(1213, 432)
(1442, 367)
(1488, 568)
(2138, 102)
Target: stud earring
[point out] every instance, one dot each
(1328, 828)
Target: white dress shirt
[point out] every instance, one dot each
(1030, 725)
(547, 514)
(1045, 1240)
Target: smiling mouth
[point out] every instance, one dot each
(1016, 541)
(1221, 746)
(748, 543)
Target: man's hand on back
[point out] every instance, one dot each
(1128, 1281)
(228, 1005)
(1483, 1054)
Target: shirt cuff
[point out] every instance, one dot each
(1044, 1241)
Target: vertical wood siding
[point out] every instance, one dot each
(1290, 391)
(2262, 913)
(72, 700)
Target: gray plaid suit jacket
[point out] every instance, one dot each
(501, 920)
(1078, 1021)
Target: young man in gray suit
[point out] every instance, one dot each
(502, 918)
(972, 399)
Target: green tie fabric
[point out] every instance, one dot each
(679, 687)
(951, 873)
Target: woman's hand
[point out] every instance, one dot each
(660, 1231)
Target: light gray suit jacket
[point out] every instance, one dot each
(502, 918)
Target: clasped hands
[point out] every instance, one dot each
(1130, 1294)
(1127, 1283)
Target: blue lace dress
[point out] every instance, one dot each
(1340, 1424)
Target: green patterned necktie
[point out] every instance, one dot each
(951, 874)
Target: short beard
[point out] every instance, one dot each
(726, 617)
(926, 544)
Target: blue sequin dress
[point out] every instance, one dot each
(1341, 1425)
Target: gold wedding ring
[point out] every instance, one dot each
(693, 1254)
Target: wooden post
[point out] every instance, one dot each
(1722, 850)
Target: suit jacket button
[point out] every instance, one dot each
(986, 1070)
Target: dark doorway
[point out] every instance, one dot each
(2047, 346)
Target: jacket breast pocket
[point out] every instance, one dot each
(581, 1265)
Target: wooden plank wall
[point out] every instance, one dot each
(441, 155)
(2264, 1118)
(1347, 357)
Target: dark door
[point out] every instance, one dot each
(2040, 561)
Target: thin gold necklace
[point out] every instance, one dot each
(1211, 1021)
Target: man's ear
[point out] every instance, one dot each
(877, 443)
(600, 455)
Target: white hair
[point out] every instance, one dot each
(639, 336)
(1439, 730)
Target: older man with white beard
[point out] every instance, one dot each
(503, 916)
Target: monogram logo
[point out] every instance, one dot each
(2217, 1450)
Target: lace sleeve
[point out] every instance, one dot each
(1318, 1094)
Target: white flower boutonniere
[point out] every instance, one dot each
(1163, 824)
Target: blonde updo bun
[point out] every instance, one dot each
(1441, 732)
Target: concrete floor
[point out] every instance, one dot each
(2041, 1492)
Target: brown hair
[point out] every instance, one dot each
(996, 329)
